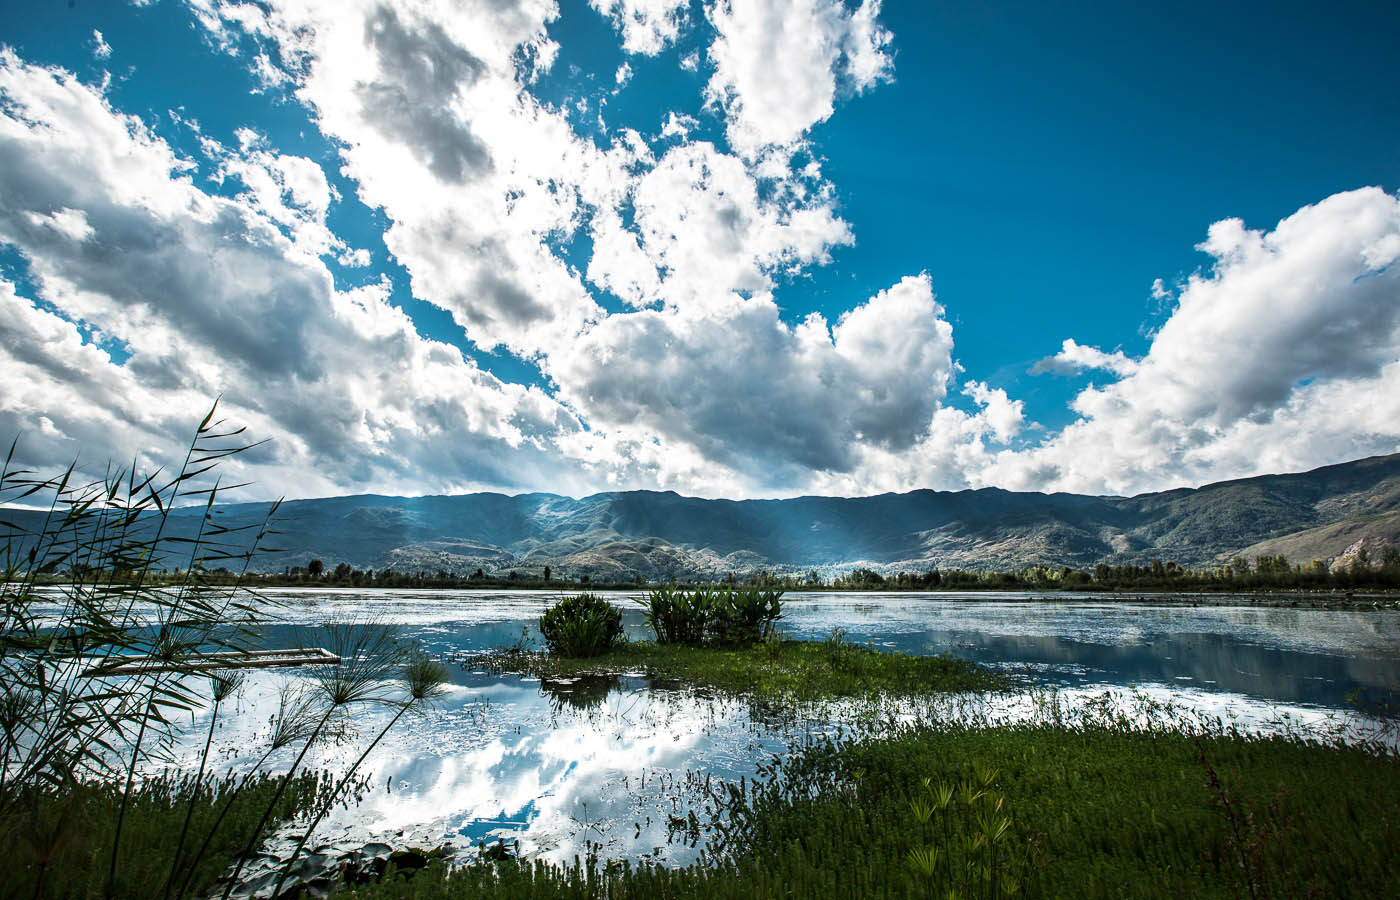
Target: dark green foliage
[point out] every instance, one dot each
(742, 616)
(581, 626)
(679, 616)
(69, 834)
(725, 615)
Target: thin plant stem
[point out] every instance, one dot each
(194, 797)
(330, 801)
(267, 813)
(219, 820)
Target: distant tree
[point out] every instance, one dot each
(315, 568)
(865, 576)
(546, 574)
(341, 572)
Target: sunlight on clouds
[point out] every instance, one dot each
(704, 230)
(768, 401)
(647, 26)
(239, 310)
(1074, 358)
(779, 66)
(1284, 354)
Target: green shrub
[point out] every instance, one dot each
(707, 615)
(585, 625)
(677, 616)
(744, 616)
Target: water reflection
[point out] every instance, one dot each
(614, 764)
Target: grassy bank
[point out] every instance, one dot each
(776, 670)
(1045, 811)
(65, 838)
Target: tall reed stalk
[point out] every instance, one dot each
(222, 687)
(294, 721)
(81, 589)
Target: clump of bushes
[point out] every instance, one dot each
(584, 625)
(712, 615)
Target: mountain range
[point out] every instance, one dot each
(662, 535)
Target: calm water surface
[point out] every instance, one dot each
(610, 764)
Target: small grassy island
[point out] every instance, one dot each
(776, 670)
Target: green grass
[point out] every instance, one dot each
(80, 823)
(1094, 812)
(786, 670)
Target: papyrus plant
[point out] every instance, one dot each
(96, 572)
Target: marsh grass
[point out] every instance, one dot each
(118, 569)
(1035, 811)
(103, 549)
(87, 815)
(775, 671)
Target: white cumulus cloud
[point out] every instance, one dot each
(779, 65)
(1282, 356)
(208, 296)
(647, 26)
(1074, 358)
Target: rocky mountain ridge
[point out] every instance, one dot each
(662, 535)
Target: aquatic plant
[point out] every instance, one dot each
(222, 685)
(581, 626)
(776, 671)
(678, 616)
(725, 615)
(296, 718)
(368, 653)
(743, 616)
(422, 681)
(77, 864)
(1033, 811)
(98, 557)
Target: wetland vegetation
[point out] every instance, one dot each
(1094, 802)
(1085, 810)
(727, 639)
(773, 670)
(97, 670)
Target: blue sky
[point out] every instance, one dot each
(752, 250)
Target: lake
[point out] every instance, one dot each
(617, 766)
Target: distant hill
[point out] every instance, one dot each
(1307, 516)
